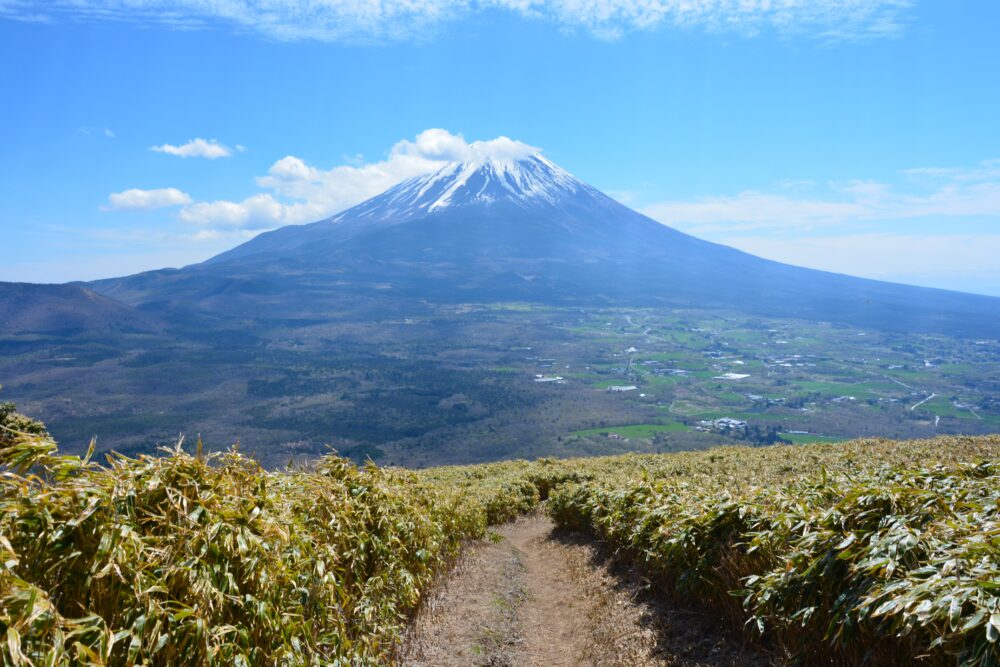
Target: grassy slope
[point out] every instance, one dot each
(863, 550)
(183, 559)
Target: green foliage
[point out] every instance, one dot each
(868, 551)
(13, 424)
(193, 560)
(862, 551)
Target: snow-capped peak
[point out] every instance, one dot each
(484, 179)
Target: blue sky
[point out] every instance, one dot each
(858, 136)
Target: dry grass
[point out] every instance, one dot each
(185, 559)
(871, 550)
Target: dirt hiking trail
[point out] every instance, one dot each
(536, 597)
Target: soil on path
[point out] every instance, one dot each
(540, 598)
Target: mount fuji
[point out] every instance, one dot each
(524, 229)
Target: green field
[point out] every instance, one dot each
(635, 430)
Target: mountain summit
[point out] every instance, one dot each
(502, 228)
(488, 180)
(465, 197)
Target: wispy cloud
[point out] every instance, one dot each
(297, 192)
(752, 210)
(209, 149)
(116, 251)
(363, 20)
(146, 199)
(828, 19)
(105, 132)
(954, 192)
(967, 262)
(932, 226)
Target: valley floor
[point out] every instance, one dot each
(542, 597)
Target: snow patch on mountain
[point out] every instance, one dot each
(486, 178)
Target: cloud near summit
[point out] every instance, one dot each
(443, 146)
(297, 192)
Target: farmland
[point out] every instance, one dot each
(420, 385)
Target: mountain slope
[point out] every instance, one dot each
(515, 214)
(503, 229)
(65, 309)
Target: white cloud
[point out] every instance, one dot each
(365, 20)
(146, 199)
(210, 149)
(926, 193)
(253, 213)
(299, 192)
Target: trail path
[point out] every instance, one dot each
(539, 598)
(917, 405)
